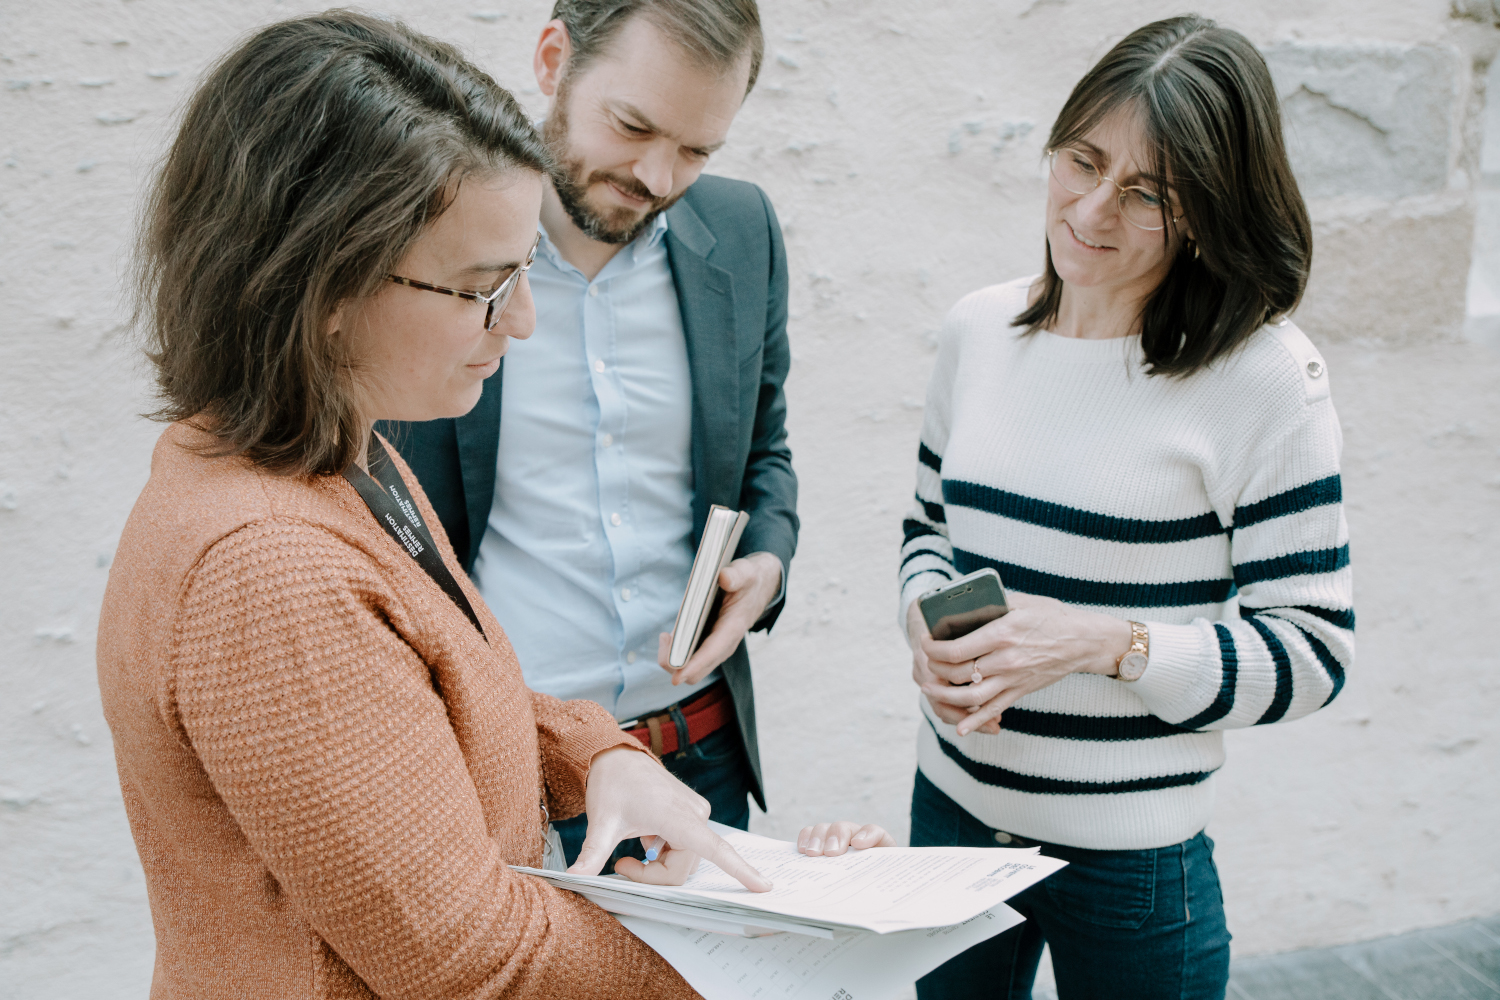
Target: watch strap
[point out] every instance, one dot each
(1140, 644)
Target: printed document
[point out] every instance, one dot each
(882, 890)
(858, 965)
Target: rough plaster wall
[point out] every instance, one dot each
(902, 154)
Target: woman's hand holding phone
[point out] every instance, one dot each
(1037, 644)
(917, 637)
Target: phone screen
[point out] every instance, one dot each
(964, 605)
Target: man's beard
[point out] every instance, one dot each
(617, 225)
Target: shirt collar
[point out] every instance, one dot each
(651, 238)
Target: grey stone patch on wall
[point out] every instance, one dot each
(1377, 137)
(1483, 11)
(1389, 271)
(1369, 119)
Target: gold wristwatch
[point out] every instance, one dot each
(1132, 664)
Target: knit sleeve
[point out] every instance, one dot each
(1289, 653)
(569, 734)
(321, 731)
(926, 552)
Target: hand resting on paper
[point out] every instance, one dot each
(749, 584)
(829, 840)
(629, 794)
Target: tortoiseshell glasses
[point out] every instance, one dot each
(495, 301)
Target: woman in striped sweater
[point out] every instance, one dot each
(1144, 448)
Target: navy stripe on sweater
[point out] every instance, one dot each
(1075, 521)
(1338, 619)
(934, 511)
(919, 552)
(1000, 777)
(1093, 728)
(1070, 590)
(908, 578)
(1331, 664)
(929, 458)
(1293, 501)
(1229, 662)
(912, 528)
(1302, 563)
(1282, 699)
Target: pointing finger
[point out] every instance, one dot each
(707, 844)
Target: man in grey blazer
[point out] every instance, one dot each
(577, 489)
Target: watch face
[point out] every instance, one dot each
(1132, 665)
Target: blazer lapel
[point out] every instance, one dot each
(705, 294)
(478, 434)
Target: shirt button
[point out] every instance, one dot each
(1315, 369)
(630, 656)
(599, 365)
(625, 594)
(609, 439)
(593, 291)
(614, 519)
(1001, 837)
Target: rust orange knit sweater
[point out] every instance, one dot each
(327, 770)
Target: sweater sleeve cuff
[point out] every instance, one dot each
(1174, 670)
(570, 735)
(915, 588)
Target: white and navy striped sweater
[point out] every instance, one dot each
(1207, 507)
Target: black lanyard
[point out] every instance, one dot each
(397, 514)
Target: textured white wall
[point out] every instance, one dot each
(902, 151)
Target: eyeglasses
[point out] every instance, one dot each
(496, 301)
(1076, 172)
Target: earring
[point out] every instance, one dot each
(1195, 250)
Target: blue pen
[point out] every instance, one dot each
(655, 849)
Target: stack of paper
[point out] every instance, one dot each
(857, 965)
(868, 922)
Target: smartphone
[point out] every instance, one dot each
(960, 607)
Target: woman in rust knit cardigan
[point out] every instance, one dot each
(329, 761)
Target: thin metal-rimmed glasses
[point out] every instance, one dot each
(495, 301)
(1076, 171)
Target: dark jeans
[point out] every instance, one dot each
(715, 767)
(1121, 924)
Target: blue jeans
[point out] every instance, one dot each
(715, 767)
(1121, 924)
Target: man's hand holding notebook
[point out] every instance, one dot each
(727, 593)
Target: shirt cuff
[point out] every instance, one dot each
(780, 594)
(1174, 670)
(769, 613)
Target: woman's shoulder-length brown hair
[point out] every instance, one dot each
(1212, 129)
(307, 162)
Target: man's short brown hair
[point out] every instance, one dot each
(714, 32)
(308, 162)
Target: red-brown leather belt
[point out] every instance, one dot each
(706, 712)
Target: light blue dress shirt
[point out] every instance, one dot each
(589, 542)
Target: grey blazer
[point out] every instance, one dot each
(728, 263)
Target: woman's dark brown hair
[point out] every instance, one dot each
(1212, 131)
(308, 161)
